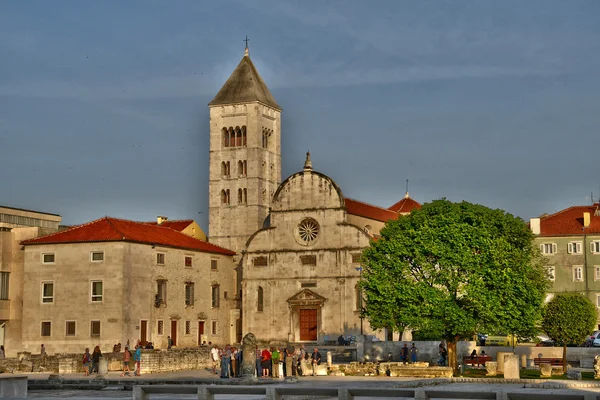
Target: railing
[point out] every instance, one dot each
(208, 392)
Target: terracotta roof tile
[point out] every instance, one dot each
(109, 229)
(370, 211)
(178, 225)
(405, 206)
(570, 221)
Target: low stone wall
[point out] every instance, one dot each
(154, 361)
(421, 370)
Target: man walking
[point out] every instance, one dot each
(214, 355)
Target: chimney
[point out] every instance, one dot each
(534, 224)
(586, 219)
(160, 219)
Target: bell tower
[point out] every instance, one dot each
(245, 156)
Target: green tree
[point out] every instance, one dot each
(569, 318)
(456, 269)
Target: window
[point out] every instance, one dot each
(551, 273)
(356, 258)
(70, 328)
(213, 327)
(261, 261)
(308, 231)
(161, 292)
(160, 258)
(160, 327)
(574, 248)
(595, 247)
(189, 293)
(215, 296)
(46, 328)
(188, 261)
(97, 256)
(4, 285)
(188, 327)
(548, 248)
(47, 292)
(225, 169)
(598, 300)
(94, 328)
(308, 284)
(48, 258)
(308, 259)
(96, 289)
(578, 273)
(225, 198)
(259, 305)
(597, 272)
(213, 265)
(225, 294)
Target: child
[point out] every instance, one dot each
(87, 360)
(126, 358)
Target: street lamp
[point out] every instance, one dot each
(359, 294)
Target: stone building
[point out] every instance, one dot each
(113, 281)
(16, 225)
(570, 242)
(298, 242)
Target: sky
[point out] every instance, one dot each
(103, 105)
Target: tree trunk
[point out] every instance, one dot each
(452, 357)
(564, 358)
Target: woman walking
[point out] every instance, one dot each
(96, 356)
(87, 361)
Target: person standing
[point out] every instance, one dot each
(214, 355)
(43, 354)
(137, 357)
(96, 356)
(303, 361)
(233, 363)
(126, 359)
(275, 362)
(316, 360)
(225, 361)
(87, 361)
(404, 354)
(169, 342)
(265, 359)
(443, 354)
(290, 360)
(413, 354)
(258, 355)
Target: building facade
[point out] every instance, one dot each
(570, 242)
(116, 281)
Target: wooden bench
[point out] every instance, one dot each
(479, 360)
(554, 361)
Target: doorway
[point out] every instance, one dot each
(144, 332)
(308, 324)
(200, 332)
(174, 333)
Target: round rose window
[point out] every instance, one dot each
(308, 230)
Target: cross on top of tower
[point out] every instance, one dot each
(246, 40)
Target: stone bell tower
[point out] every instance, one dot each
(245, 156)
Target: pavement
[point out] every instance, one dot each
(113, 386)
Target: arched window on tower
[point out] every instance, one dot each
(259, 305)
(240, 168)
(225, 137)
(231, 137)
(223, 197)
(238, 137)
(245, 196)
(228, 197)
(245, 168)
(244, 135)
(225, 169)
(228, 169)
(239, 196)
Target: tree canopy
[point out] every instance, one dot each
(568, 318)
(455, 269)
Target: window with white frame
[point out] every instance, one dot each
(160, 258)
(4, 278)
(578, 273)
(595, 246)
(46, 328)
(70, 328)
(188, 327)
(574, 247)
(597, 300)
(189, 293)
(160, 328)
(548, 248)
(215, 296)
(96, 291)
(551, 273)
(48, 292)
(213, 327)
(48, 258)
(161, 292)
(213, 265)
(97, 256)
(94, 328)
(597, 272)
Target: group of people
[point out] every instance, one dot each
(91, 362)
(405, 353)
(270, 362)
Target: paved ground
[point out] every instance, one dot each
(116, 391)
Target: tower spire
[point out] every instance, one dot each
(246, 50)
(406, 194)
(307, 163)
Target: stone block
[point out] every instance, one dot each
(574, 375)
(492, 368)
(545, 370)
(511, 367)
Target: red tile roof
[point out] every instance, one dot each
(109, 229)
(177, 224)
(405, 206)
(370, 211)
(570, 221)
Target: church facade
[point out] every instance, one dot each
(298, 242)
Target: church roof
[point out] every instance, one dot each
(110, 229)
(244, 86)
(405, 206)
(177, 224)
(370, 211)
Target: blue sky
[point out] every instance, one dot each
(103, 105)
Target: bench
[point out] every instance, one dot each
(142, 392)
(14, 386)
(479, 360)
(554, 361)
